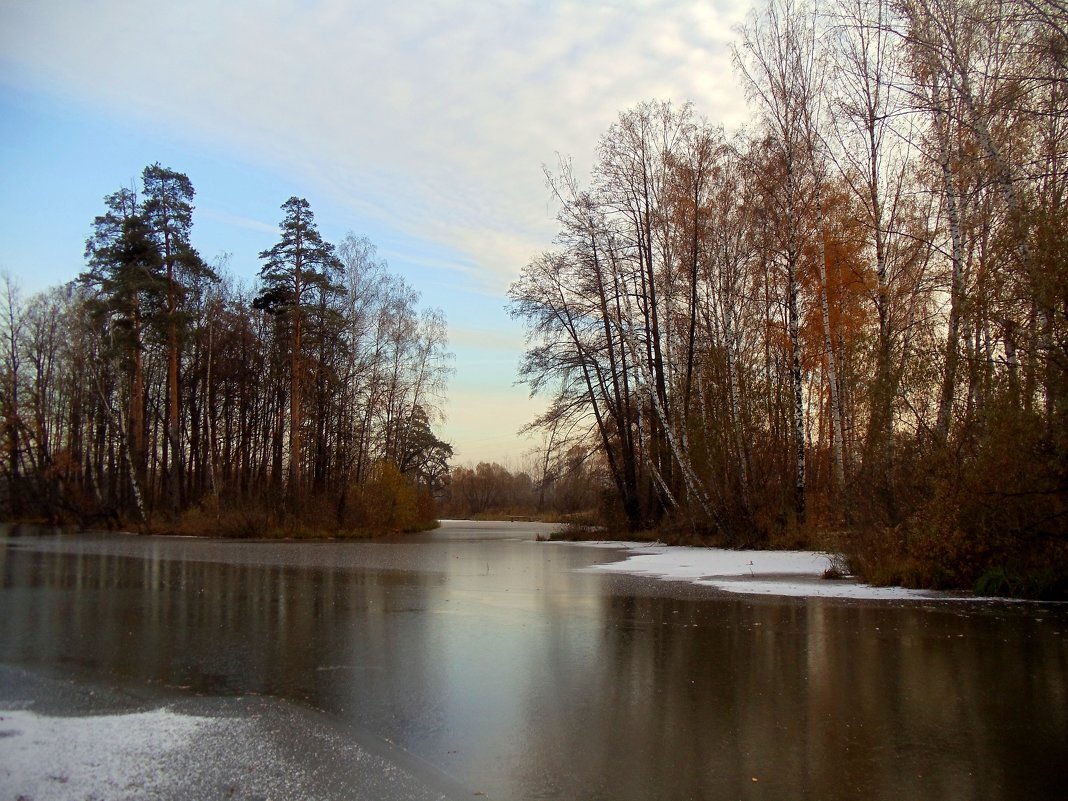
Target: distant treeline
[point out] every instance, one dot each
(153, 391)
(568, 488)
(846, 326)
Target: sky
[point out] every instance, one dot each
(425, 126)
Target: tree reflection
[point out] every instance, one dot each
(497, 662)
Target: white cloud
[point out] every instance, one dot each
(434, 117)
(431, 118)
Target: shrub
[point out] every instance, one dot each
(988, 513)
(389, 503)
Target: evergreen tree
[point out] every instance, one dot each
(125, 275)
(168, 211)
(297, 272)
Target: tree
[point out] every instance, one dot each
(778, 63)
(12, 324)
(299, 268)
(424, 455)
(125, 276)
(168, 212)
(150, 384)
(870, 146)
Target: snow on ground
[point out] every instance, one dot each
(792, 573)
(99, 756)
(163, 755)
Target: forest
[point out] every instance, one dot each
(156, 393)
(843, 327)
(846, 326)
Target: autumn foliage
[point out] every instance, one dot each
(846, 326)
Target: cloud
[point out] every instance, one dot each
(427, 122)
(434, 118)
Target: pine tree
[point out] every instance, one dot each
(297, 271)
(168, 211)
(125, 273)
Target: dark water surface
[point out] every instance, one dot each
(493, 659)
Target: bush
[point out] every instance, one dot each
(988, 514)
(389, 503)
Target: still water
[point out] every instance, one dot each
(498, 662)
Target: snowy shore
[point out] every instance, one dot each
(782, 573)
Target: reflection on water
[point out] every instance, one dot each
(492, 659)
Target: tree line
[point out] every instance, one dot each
(566, 487)
(156, 391)
(851, 317)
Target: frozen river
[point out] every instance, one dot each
(475, 661)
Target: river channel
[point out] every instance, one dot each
(510, 671)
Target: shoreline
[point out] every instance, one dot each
(771, 572)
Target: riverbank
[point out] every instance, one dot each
(889, 561)
(806, 574)
(235, 525)
(665, 554)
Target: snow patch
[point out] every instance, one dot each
(102, 756)
(785, 573)
(252, 751)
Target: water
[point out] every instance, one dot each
(497, 662)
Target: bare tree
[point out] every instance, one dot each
(777, 61)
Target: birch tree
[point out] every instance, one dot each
(776, 61)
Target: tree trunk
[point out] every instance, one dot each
(956, 292)
(295, 399)
(798, 389)
(832, 366)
